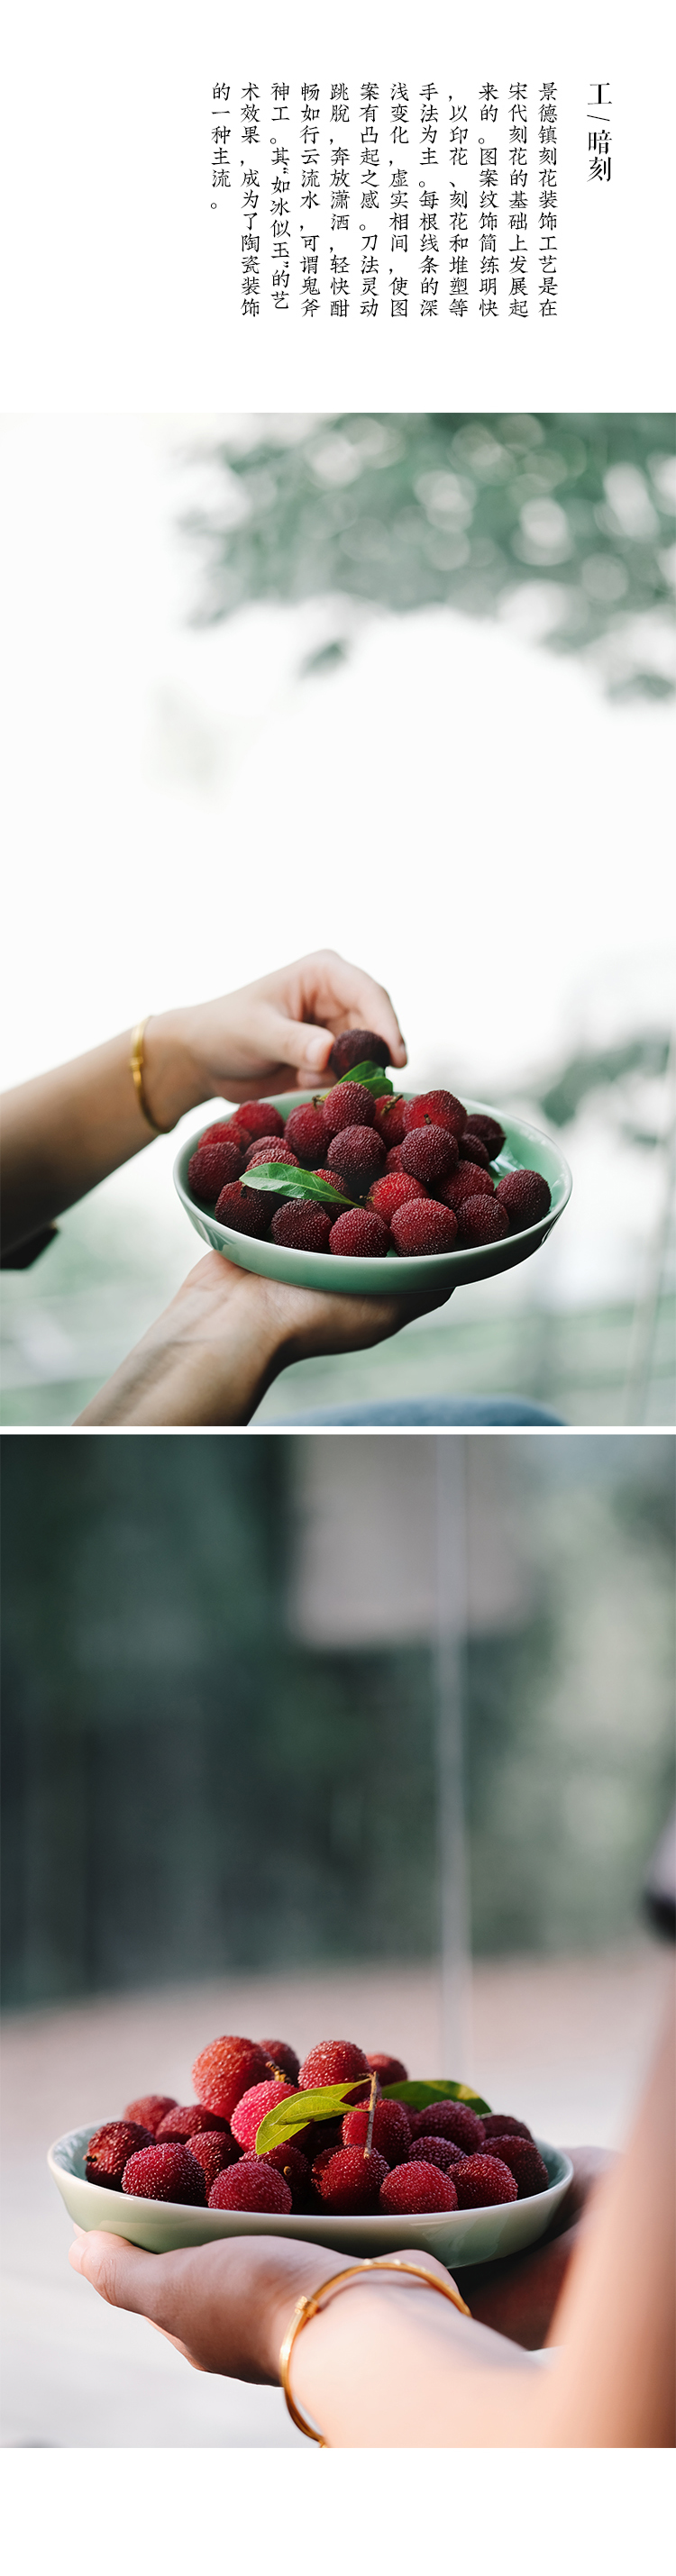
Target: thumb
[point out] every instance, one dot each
(296, 1042)
(121, 2272)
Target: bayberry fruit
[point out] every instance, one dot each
(305, 1132)
(391, 1118)
(259, 1118)
(287, 2160)
(357, 1046)
(391, 2135)
(436, 2151)
(252, 2184)
(449, 2119)
(225, 1130)
(165, 2173)
(525, 2163)
(415, 2187)
(491, 1133)
(436, 1109)
(482, 2181)
(247, 1211)
(214, 2149)
(424, 1226)
(186, 2119)
(211, 1167)
(430, 1153)
(481, 1220)
(303, 1225)
(392, 1191)
(393, 1161)
(471, 1150)
(389, 2070)
(499, 2124)
(468, 1182)
(359, 1233)
(150, 2109)
(333, 2061)
(358, 1155)
(110, 2149)
(252, 2106)
(269, 1149)
(526, 1197)
(350, 1105)
(350, 2182)
(225, 2070)
(277, 2053)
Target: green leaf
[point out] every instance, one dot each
(292, 1184)
(327, 2102)
(419, 2094)
(372, 1077)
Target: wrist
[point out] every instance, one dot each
(174, 1079)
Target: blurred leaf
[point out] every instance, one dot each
(372, 1077)
(401, 510)
(596, 1068)
(419, 2093)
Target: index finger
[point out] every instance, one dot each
(333, 979)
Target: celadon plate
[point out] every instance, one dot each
(389, 1275)
(456, 2236)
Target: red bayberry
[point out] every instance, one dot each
(416, 2187)
(392, 1191)
(150, 2109)
(359, 1234)
(247, 1211)
(225, 2070)
(252, 2184)
(211, 1167)
(269, 1149)
(449, 2119)
(482, 2181)
(436, 1109)
(471, 1150)
(391, 2130)
(468, 1182)
(350, 2182)
(305, 1132)
(109, 2150)
(357, 1153)
(287, 2160)
(499, 2124)
(333, 2061)
(525, 2163)
(252, 2106)
(424, 1226)
(350, 1105)
(277, 2053)
(489, 1129)
(259, 1118)
(436, 2151)
(393, 1161)
(391, 1118)
(526, 1197)
(430, 1153)
(226, 1130)
(481, 1220)
(303, 1225)
(357, 1046)
(214, 2149)
(335, 1178)
(165, 2173)
(389, 2070)
(186, 2119)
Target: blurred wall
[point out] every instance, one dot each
(201, 1772)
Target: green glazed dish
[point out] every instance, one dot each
(457, 2236)
(390, 1275)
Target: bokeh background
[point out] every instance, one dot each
(369, 1735)
(402, 684)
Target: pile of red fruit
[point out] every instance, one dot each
(394, 1175)
(379, 2156)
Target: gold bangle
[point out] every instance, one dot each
(136, 1062)
(307, 2308)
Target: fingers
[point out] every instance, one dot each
(292, 1042)
(120, 2272)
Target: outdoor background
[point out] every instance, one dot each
(400, 684)
(225, 1731)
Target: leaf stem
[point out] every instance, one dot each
(372, 2114)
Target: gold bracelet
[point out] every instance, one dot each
(306, 2309)
(136, 1062)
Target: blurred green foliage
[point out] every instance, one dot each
(186, 1787)
(400, 509)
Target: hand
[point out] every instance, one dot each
(226, 1336)
(225, 2306)
(518, 2297)
(270, 1036)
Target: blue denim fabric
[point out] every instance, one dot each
(432, 1413)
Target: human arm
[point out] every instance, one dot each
(393, 2366)
(66, 1130)
(227, 1334)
